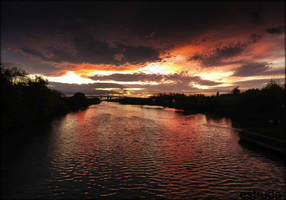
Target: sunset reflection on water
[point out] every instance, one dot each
(127, 151)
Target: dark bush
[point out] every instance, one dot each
(27, 101)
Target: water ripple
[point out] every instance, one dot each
(111, 151)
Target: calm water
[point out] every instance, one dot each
(126, 151)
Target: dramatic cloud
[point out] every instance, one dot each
(98, 52)
(177, 46)
(251, 69)
(257, 69)
(88, 50)
(275, 30)
(179, 78)
(273, 72)
(216, 56)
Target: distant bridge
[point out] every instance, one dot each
(107, 98)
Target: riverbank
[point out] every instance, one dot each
(258, 121)
(267, 136)
(256, 110)
(30, 122)
(273, 144)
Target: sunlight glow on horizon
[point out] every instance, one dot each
(203, 87)
(71, 78)
(110, 89)
(178, 65)
(129, 82)
(214, 76)
(157, 68)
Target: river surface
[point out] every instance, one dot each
(113, 151)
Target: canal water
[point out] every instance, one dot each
(113, 151)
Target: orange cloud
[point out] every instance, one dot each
(86, 69)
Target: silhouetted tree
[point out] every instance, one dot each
(273, 99)
(26, 101)
(78, 101)
(252, 105)
(235, 91)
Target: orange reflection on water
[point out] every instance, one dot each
(85, 142)
(111, 148)
(124, 140)
(80, 116)
(184, 147)
(74, 145)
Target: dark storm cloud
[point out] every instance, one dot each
(273, 72)
(256, 18)
(23, 62)
(176, 23)
(33, 52)
(98, 52)
(139, 30)
(251, 69)
(93, 51)
(256, 69)
(140, 54)
(217, 55)
(88, 50)
(179, 78)
(275, 30)
(116, 33)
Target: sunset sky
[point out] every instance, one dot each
(138, 49)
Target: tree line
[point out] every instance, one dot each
(26, 101)
(263, 105)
